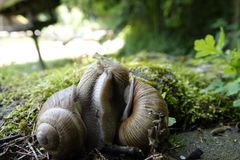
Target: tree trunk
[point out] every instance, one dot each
(235, 22)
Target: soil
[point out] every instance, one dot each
(223, 147)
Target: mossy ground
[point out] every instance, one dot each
(178, 85)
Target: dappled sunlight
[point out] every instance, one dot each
(71, 37)
(155, 79)
(22, 50)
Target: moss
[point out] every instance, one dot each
(31, 91)
(178, 85)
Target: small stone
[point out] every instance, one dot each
(182, 157)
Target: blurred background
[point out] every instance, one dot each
(42, 30)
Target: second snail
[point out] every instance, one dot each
(106, 107)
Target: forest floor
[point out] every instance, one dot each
(225, 146)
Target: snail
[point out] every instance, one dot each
(60, 128)
(143, 101)
(104, 108)
(100, 92)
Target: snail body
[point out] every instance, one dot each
(60, 129)
(105, 107)
(143, 102)
(100, 92)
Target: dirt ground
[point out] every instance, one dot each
(223, 147)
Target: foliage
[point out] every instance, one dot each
(158, 25)
(180, 87)
(227, 60)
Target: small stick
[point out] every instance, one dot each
(1, 124)
(99, 154)
(20, 147)
(39, 152)
(219, 130)
(12, 142)
(21, 157)
(23, 153)
(155, 157)
(34, 153)
(4, 152)
(9, 138)
(47, 155)
(116, 149)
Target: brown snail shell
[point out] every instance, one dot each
(100, 92)
(142, 101)
(60, 129)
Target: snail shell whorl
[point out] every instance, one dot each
(60, 129)
(133, 130)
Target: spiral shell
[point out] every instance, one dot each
(60, 129)
(142, 102)
(100, 92)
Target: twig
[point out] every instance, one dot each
(34, 153)
(176, 147)
(9, 138)
(4, 152)
(12, 142)
(39, 152)
(99, 154)
(21, 148)
(157, 133)
(1, 124)
(47, 155)
(21, 157)
(157, 156)
(23, 153)
(116, 149)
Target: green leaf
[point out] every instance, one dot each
(229, 70)
(221, 40)
(205, 46)
(236, 103)
(235, 58)
(232, 88)
(210, 40)
(164, 95)
(171, 121)
(214, 85)
(238, 45)
(199, 44)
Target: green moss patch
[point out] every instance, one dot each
(178, 85)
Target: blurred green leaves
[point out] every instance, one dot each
(212, 51)
(236, 103)
(208, 46)
(205, 46)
